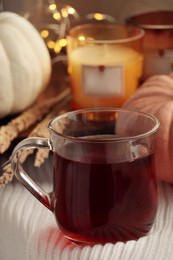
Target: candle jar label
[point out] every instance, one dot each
(102, 80)
(157, 62)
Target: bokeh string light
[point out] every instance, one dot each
(53, 21)
(100, 17)
(50, 23)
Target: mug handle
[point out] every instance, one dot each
(32, 142)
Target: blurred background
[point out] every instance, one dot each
(116, 8)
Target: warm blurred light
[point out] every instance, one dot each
(52, 7)
(57, 48)
(63, 42)
(59, 45)
(57, 16)
(64, 12)
(81, 38)
(71, 10)
(51, 44)
(44, 33)
(99, 16)
(90, 116)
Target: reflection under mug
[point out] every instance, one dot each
(105, 63)
(104, 185)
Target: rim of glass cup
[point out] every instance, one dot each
(139, 33)
(112, 139)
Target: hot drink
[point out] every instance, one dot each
(104, 185)
(100, 199)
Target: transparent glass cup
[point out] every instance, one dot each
(105, 63)
(104, 185)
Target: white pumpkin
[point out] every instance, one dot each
(25, 64)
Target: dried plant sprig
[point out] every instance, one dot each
(7, 175)
(40, 130)
(10, 131)
(41, 154)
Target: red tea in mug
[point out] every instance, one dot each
(104, 186)
(101, 200)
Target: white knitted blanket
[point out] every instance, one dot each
(28, 231)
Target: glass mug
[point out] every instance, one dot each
(105, 63)
(104, 185)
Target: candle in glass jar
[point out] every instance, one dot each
(103, 75)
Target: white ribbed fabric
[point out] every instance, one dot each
(28, 230)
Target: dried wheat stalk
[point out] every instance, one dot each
(41, 154)
(40, 130)
(10, 131)
(7, 175)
